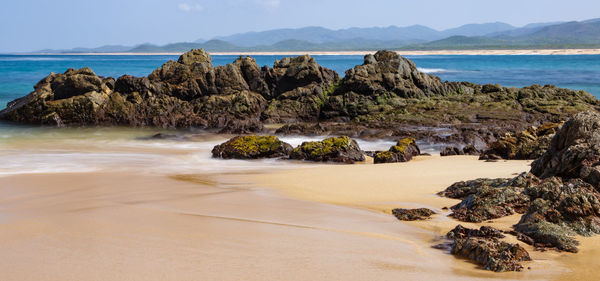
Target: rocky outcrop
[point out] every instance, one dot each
(189, 92)
(412, 214)
(484, 246)
(386, 96)
(574, 152)
(403, 151)
(335, 149)
(528, 144)
(252, 147)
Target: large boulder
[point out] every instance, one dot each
(574, 151)
(335, 149)
(252, 147)
(404, 150)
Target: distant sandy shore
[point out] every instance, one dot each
(340, 53)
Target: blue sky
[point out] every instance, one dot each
(28, 25)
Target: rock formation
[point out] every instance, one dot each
(252, 147)
(484, 246)
(383, 97)
(528, 144)
(335, 149)
(403, 151)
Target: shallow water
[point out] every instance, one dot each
(28, 149)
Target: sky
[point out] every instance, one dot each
(31, 25)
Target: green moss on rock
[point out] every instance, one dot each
(252, 147)
(335, 149)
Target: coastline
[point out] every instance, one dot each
(356, 53)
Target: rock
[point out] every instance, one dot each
(451, 150)
(335, 149)
(385, 97)
(403, 151)
(528, 144)
(412, 214)
(558, 211)
(252, 147)
(574, 151)
(484, 247)
(485, 199)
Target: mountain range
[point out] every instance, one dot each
(497, 35)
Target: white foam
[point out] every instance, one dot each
(435, 70)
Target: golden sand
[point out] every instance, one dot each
(381, 188)
(135, 226)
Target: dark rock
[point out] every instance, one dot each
(335, 149)
(574, 152)
(451, 151)
(484, 247)
(560, 210)
(485, 199)
(403, 151)
(412, 214)
(528, 144)
(252, 147)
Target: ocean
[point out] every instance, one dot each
(18, 73)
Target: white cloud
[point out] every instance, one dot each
(190, 7)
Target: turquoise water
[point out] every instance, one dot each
(18, 74)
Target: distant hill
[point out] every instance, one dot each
(497, 35)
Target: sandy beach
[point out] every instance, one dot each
(361, 53)
(321, 223)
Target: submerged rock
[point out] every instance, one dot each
(335, 149)
(412, 214)
(528, 144)
(403, 151)
(485, 247)
(252, 147)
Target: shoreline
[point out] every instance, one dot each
(346, 53)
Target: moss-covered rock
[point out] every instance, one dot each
(485, 247)
(252, 147)
(404, 150)
(412, 214)
(335, 149)
(528, 144)
(485, 199)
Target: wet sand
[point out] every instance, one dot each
(140, 226)
(380, 188)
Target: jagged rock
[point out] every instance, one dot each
(403, 151)
(528, 144)
(335, 149)
(574, 152)
(485, 199)
(252, 147)
(383, 97)
(558, 211)
(484, 247)
(412, 214)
